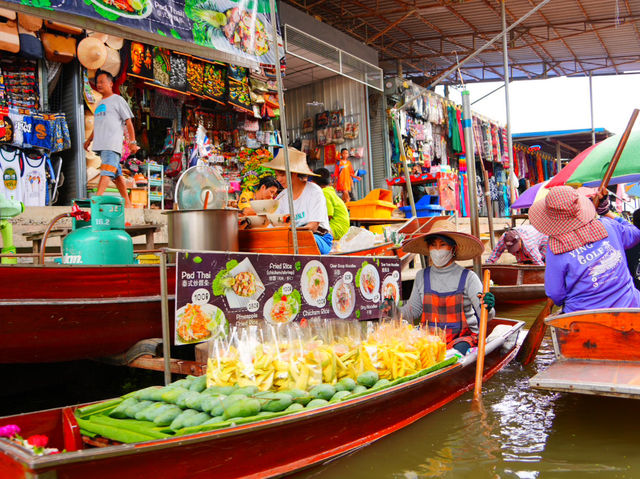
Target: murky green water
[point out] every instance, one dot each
(517, 432)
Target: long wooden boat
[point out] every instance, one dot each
(270, 448)
(597, 352)
(517, 283)
(51, 313)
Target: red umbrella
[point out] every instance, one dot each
(565, 173)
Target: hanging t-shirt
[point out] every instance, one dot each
(34, 181)
(11, 175)
(310, 206)
(110, 117)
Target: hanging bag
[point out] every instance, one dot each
(58, 48)
(30, 44)
(9, 38)
(29, 22)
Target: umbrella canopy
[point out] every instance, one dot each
(589, 167)
(633, 189)
(531, 195)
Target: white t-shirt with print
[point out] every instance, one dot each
(309, 207)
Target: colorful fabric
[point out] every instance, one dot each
(595, 276)
(533, 250)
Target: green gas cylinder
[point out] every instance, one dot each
(102, 240)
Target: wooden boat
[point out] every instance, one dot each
(270, 448)
(517, 283)
(597, 352)
(56, 313)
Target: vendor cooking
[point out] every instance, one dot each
(445, 294)
(308, 200)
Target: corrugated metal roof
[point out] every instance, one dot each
(565, 37)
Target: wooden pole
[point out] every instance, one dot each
(482, 338)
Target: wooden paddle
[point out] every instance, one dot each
(482, 337)
(532, 342)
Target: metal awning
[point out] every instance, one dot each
(427, 37)
(570, 142)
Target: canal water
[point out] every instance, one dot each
(516, 432)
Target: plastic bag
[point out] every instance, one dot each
(356, 239)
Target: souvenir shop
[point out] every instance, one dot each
(33, 130)
(185, 108)
(433, 141)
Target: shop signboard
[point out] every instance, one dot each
(241, 28)
(218, 289)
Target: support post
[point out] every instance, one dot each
(507, 98)
(558, 157)
(283, 120)
(164, 301)
(593, 130)
(471, 173)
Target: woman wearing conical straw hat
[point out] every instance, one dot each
(308, 200)
(446, 295)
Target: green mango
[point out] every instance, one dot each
(196, 419)
(214, 420)
(147, 394)
(186, 395)
(199, 384)
(359, 389)
(195, 401)
(340, 395)
(226, 390)
(242, 408)
(132, 410)
(322, 391)
(368, 378)
(276, 402)
(179, 421)
(172, 394)
(381, 383)
(184, 383)
(120, 411)
(347, 383)
(208, 403)
(247, 390)
(168, 416)
(317, 403)
(294, 407)
(149, 413)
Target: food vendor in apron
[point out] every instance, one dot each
(446, 295)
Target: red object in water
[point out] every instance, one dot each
(268, 448)
(69, 312)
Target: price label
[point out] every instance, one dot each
(348, 277)
(321, 302)
(287, 289)
(200, 296)
(376, 298)
(253, 306)
(395, 275)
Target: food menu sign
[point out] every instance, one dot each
(214, 290)
(241, 28)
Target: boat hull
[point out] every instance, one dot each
(275, 447)
(64, 313)
(597, 352)
(517, 284)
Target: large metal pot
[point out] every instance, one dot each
(209, 230)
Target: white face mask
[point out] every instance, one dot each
(440, 257)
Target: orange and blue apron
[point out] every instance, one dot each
(446, 311)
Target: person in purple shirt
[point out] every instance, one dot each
(586, 264)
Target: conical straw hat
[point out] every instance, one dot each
(297, 162)
(92, 53)
(467, 246)
(115, 42)
(112, 63)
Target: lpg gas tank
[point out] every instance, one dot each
(102, 240)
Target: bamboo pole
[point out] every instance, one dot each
(482, 338)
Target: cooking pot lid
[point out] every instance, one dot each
(193, 185)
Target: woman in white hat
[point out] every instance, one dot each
(308, 200)
(446, 295)
(586, 266)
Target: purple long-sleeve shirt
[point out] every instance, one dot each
(595, 276)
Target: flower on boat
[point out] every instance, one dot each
(9, 430)
(38, 440)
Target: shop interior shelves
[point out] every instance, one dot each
(155, 184)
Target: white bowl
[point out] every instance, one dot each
(256, 221)
(278, 220)
(262, 207)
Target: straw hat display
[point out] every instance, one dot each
(92, 53)
(100, 36)
(297, 162)
(467, 246)
(114, 42)
(112, 63)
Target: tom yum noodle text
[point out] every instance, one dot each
(244, 284)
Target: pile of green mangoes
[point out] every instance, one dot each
(188, 406)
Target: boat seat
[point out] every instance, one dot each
(498, 331)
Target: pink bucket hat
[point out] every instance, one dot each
(568, 217)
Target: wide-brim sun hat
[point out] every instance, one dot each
(467, 246)
(112, 64)
(92, 53)
(297, 162)
(115, 42)
(563, 210)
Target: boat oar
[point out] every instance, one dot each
(482, 336)
(532, 341)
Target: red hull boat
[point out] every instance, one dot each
(517, 283)
(265, 449)
(68, 312)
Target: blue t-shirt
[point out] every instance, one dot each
(595, 276)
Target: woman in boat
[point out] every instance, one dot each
(586, 267)
(308, 201)
(266, 190)
(446, 295)
(524, 242)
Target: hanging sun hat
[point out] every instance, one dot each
(100, 36)
(467, 246)
(568, 217)
(115, 42)
(92, 53)
(112, 63)
(297, 162)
